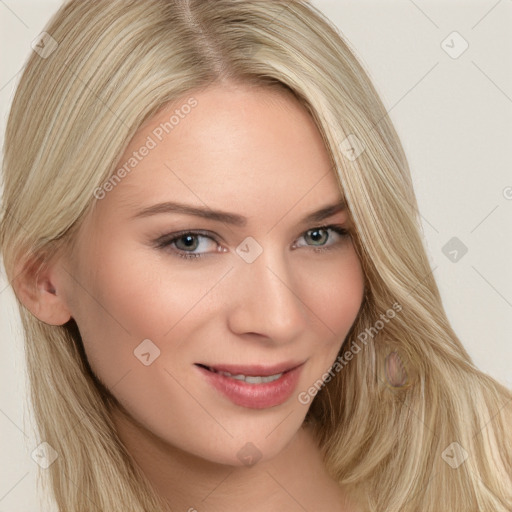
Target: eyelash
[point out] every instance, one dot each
(164, 241)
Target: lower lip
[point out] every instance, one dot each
(255, 396)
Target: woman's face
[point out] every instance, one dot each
(256, 289)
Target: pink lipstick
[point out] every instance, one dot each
(254, 386)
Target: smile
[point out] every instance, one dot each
(254, 387)
(250, 379)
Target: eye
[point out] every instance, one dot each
(195, 244)
(183, 244)
(320, 236)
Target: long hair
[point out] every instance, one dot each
(407, 420)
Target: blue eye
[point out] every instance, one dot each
(184, 244)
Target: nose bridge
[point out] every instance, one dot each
(266, 300)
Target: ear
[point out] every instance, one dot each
(38, 284)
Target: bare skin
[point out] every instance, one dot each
(258, 154)
(295, 480)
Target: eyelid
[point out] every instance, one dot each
(168, 238)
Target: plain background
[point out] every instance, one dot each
(454, 117)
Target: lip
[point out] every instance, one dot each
(254, 396)
(254, 370)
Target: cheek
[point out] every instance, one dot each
(335, 292)
(337, 303)
(146, 295)
(133, 312)
(335, 300)
(125, 295)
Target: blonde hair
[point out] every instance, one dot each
(114, 64)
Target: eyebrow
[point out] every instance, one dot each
(230, 218)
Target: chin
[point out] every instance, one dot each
(258, 445)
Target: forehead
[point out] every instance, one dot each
(246, 148)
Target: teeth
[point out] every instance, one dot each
(251, 379)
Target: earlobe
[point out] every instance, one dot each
(35, 287)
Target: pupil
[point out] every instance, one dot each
(189, 241)
(315, 234)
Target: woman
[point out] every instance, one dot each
(214, 242)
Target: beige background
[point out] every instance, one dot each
(455, 120)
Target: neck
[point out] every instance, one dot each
(294, 480)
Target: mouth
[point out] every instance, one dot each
(254, 386)
(250, 379)
(252, 374)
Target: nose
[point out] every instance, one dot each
(265, 299)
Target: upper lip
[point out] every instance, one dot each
(254, 370)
